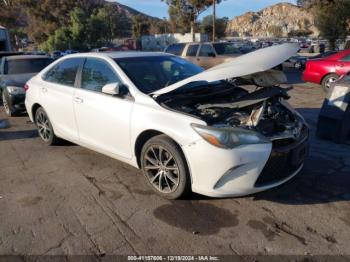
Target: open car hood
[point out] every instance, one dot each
(245, 65)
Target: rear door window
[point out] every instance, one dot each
(175, 49)
(206, 50)
(65, 72)
(192, 50)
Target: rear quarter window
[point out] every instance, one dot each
(175, 49)
(192, 50)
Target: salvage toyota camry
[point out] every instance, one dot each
(186, 128)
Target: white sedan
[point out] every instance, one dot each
(186, 128)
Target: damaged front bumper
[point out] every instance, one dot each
(246, 169)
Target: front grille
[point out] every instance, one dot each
(285, 159)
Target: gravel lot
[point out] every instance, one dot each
(69, 200)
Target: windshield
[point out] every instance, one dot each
(226, 49)
(26, 66)
(152, 73)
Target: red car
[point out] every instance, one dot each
(326, 70)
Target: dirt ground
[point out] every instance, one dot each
(69, 200)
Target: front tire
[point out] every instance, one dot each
(328, 80)
(165, 167)
(45, 128)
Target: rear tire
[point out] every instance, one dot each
(328, 80)
(45, 128)
(165, 167)
(6, 104)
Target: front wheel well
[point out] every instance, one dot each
(141, 140)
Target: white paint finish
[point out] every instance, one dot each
(106, 126)
(57, 101)
(111, 126)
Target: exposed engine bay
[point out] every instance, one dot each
(227, 104)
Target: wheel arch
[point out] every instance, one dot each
(35, 107)
(146, 135)
(330, 73)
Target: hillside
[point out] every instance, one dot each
(286, 16)
(128, 11)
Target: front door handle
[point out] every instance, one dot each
(78, 100)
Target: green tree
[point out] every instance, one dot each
(206, 26)
(275, 31)
(140, 26)
(299, 33)
(184, 13)
(332, 20)
(331, 17)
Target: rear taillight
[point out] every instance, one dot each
(26, 87)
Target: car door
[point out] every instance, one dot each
(56, 97)
(206, 56)
(191, 53)
(342, 66)
(103, 120)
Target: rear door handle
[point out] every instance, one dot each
(44, 89)
(78, 100)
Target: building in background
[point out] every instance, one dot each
(161, 41)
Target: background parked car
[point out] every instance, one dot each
(205, 55)
(56, 54)
(326, 70)
(297, 62)
(15, 71)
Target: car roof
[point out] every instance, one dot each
(119, 54)
(23, 57)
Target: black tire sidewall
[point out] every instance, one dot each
(5, 98)
(184, 186)
(53, 138)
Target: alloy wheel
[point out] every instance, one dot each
(330, 81)
(43, 125)
(161, 169)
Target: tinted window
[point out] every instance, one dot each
(64, 73)
(346, 58)
(226, 49)
(175, 49)
(97, 74)
(206, 50)
(26, 66)
(153, 73)
(192, 50)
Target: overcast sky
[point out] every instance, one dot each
(229, 8)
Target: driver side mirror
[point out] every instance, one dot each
(115, 89)
(211, 55)
(111, 89)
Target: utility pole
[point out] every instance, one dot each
(214, 20)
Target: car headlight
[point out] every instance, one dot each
(229, 137)
(15, 90)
